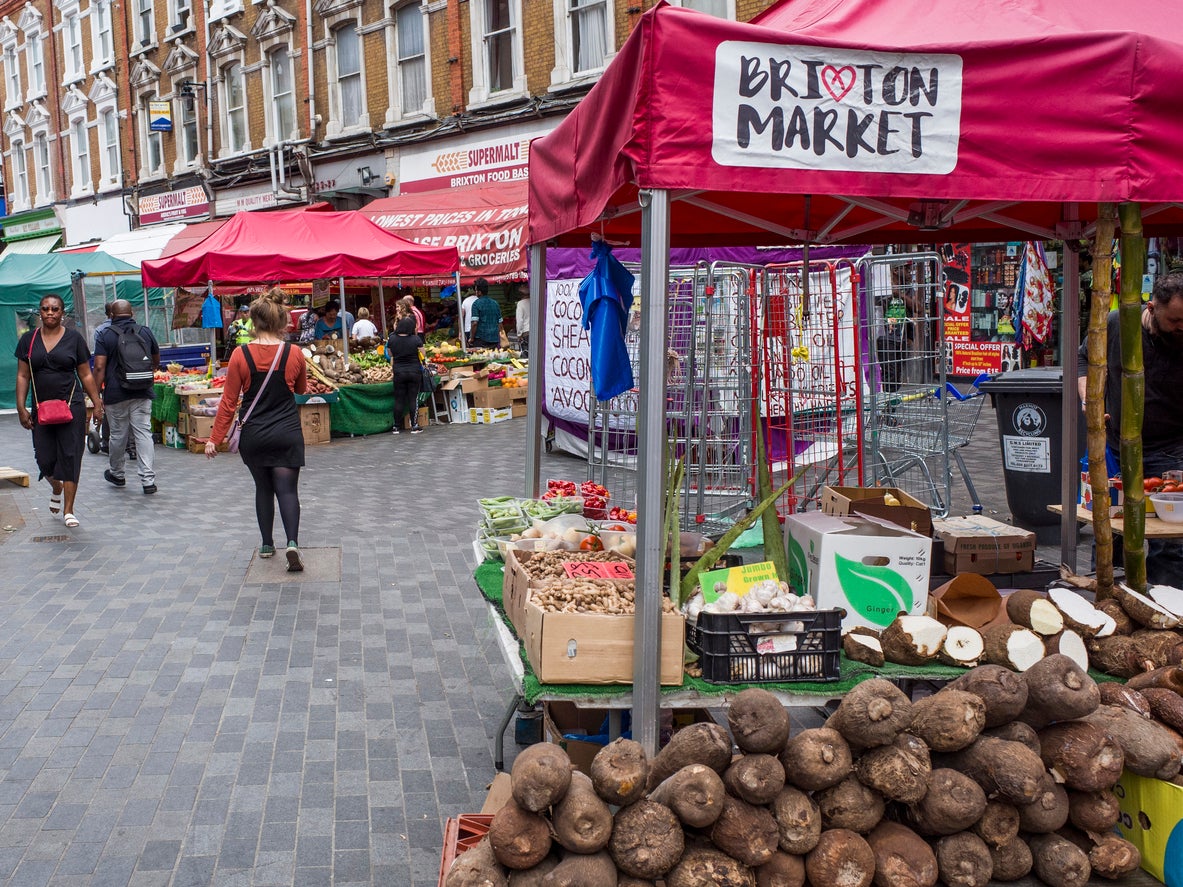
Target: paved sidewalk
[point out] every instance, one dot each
(174, 711)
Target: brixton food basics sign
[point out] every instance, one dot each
(814, 107)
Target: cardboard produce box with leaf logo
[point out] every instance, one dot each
(872, 569)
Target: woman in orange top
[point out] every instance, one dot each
(271, 443)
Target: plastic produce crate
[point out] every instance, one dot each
(755, 648)
(462, 833)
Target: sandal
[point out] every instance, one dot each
(55, 505)
(71, 521)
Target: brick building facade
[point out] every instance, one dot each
(119, 116)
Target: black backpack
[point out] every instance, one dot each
(133, 359)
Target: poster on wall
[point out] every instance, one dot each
(979, 326)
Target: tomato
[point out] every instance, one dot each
(1169, 488)
(1151, 484)
(591, 543)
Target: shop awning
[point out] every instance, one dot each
(141, 244)
(193, 234)
(487, 225)
(85, 248)
(32, 246)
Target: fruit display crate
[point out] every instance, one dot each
(755, 648)
(462, 833)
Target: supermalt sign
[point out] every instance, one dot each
(814, 107)
(172, 206)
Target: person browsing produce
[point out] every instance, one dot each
(364, 328)
(267, 372)
(403, 352)
(485, 331)
(1162, 419)
(52, 361)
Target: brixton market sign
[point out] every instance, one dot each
(813, 107)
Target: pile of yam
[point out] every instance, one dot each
(997, 776)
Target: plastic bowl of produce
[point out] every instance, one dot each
(1168, 507)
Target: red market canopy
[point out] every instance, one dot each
(486, 224)
(897, 118)
(298, 245)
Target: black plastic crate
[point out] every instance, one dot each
(728, 646)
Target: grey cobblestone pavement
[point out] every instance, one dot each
(175, 712)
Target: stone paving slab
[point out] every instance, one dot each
(320, 565)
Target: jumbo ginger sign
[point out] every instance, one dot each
(822, 108)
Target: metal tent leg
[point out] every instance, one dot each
(499, 739)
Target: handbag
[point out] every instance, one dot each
(50, 412)
(236, 427)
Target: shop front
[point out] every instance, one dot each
(35, 232)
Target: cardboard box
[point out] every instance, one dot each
(195, 426)
(465, 381)
(978, 544)
(488, 415)
(585, 648)
(872, 569)
(171, 436)
(423, 418)
(314, 422)
(968, 599)
(1152, 820)
(196, 444)
(457, 404)
(518, 409)
(516, 584)
(492, 398)
(911, 513)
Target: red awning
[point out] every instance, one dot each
(487, 225)
(299, 245)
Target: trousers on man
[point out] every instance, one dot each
(132, 417)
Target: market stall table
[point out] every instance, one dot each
(1155, 527)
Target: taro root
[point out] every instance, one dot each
(1170, 678)
(952, 803)
(1016, 731)
(851, 805)
(1149, 749)
(1165, 705)
(1012, 646)
(963, 646)
(783, 870)
(912, 640)
(1093, 811)
(998, 825)
(1122, 623)
(902, 857)
(582, 822)
(647, 839)
(1058, 862)
(841, 858)
(759, 722)
(1142, 609)
(705, 867)
(863, 648)
(1068, 643)
(1079, 615)
(1113, 856)
(1011, 860)
(695, 794)
(1032, 610)
(1081, 755)
(583, 870)
(533, 877)
(898, 771)
(745, 832)
(755, 778)
(798, 821)
(477, 867)
(964, 860)
(520, 839)
(697, 744)
(948, 720)
(1047, 813)
(816, 758)
(1058, 690)
(1160, 647)
(1006, 770)
(540, 776)
(1117, 655)
(620, 772)
(1113, 693)
(870, 715)
(1003, 691)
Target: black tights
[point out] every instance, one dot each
(281, 484)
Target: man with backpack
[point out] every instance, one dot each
(125, 362)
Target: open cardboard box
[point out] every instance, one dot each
(516, 584)
(979, 544)
(911, 513)
(966, 599)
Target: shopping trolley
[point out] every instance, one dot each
(907, 430)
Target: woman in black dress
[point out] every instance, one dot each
(272, 442)
(402, 350)
(51, 361)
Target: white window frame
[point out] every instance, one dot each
(482, 92)
(101, 25)
(20, 177)
(110, 159)
(143, 13)
(564, 73)
(689, 4)
(13, 88)
(185, 114)
(35, 60)
(74, 60)
(229, 149)
(275, 135)
(44, 171)
(175, 10)
(337, 125)
(148, 137)
(398, 108)
(81, 175)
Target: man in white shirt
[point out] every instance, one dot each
(522, 322)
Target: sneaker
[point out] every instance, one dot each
(109, 477)
(266, 551)
(295, 563)
(394, 431)
(415, 429)
(149, 489)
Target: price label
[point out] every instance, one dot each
(598, 570)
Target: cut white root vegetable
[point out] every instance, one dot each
(863, 648)
(1109, 628)
(1012, 646)
(1169, 598)
(912, 640)
(1079, 615)
(963, 646)
(1032, 610)
(1142, 609)
(1070, 644)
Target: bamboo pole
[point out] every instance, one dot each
(1133, 392)
(1098, 348)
